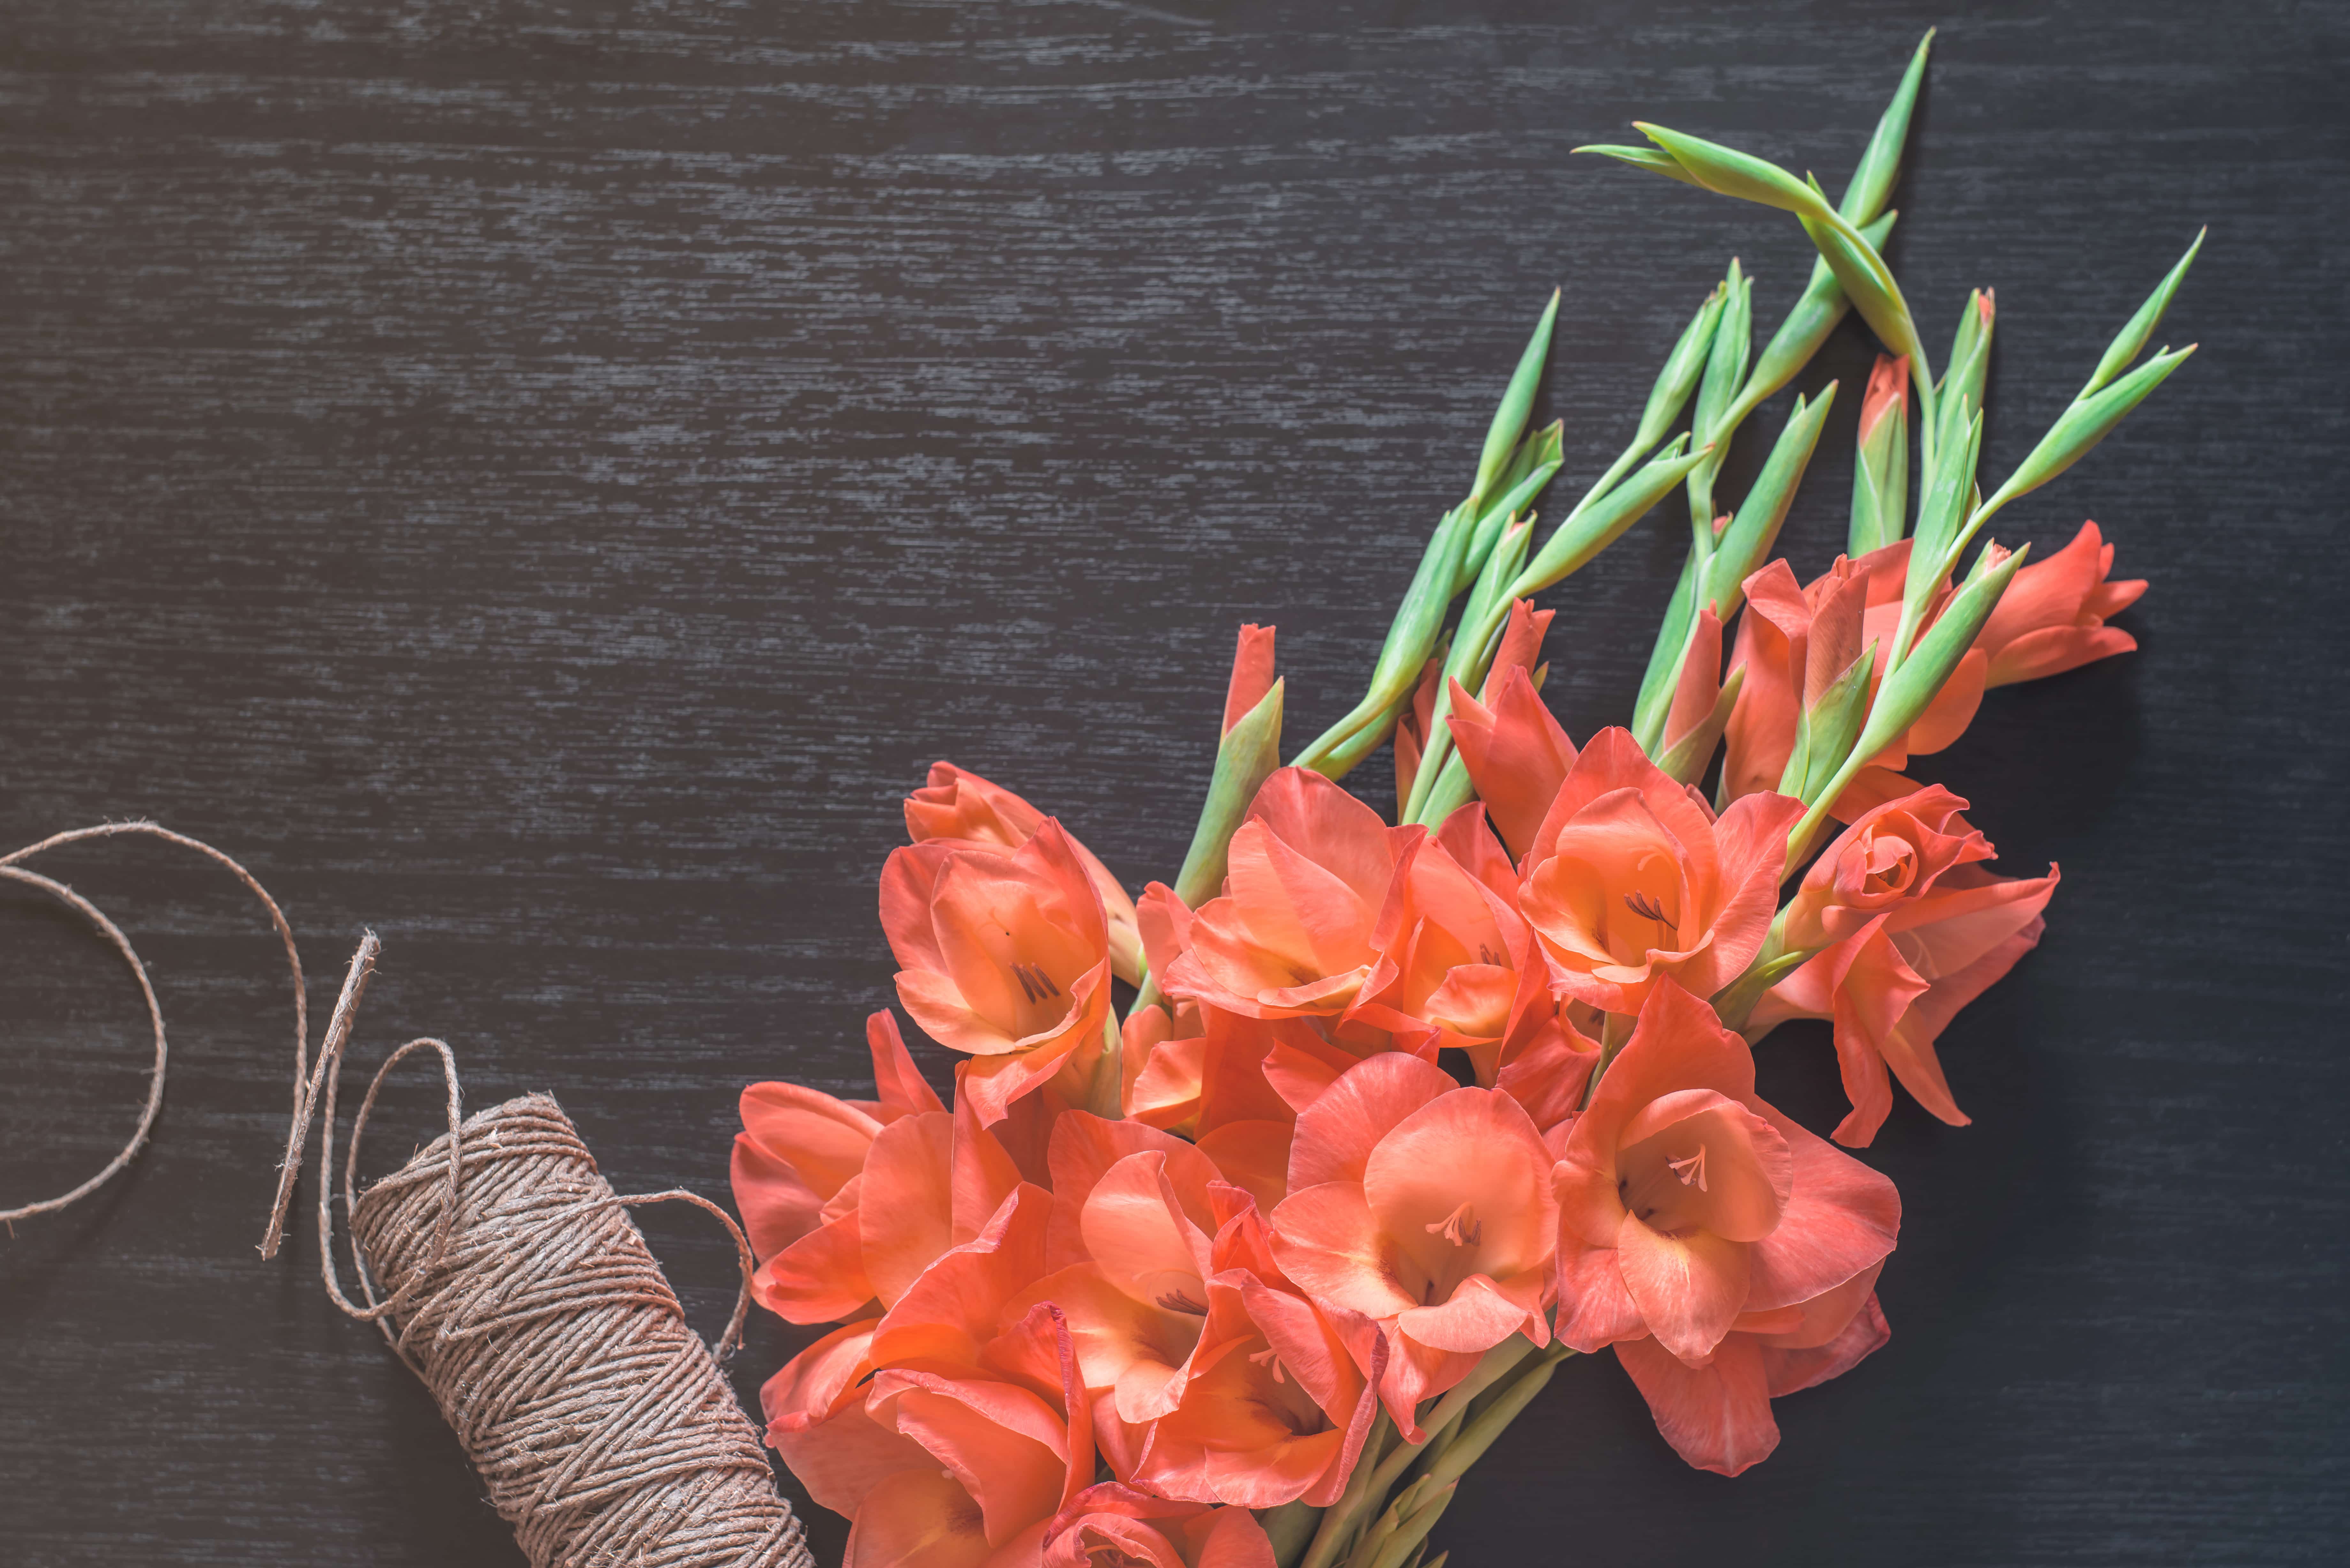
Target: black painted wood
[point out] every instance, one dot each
(542, 481)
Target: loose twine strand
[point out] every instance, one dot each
(12, 867)
(522, 1295)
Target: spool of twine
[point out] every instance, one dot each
(508, 1275)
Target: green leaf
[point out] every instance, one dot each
(1725, 361)
(1410, 635)
(1684, 761)
(1941, 510)
(1825, 732)
(1245, 758)
(1646, 158)
(1865, 280)
(2132, 336)
(1585, 535)
(1963, 383)
(1880, 166)
(1519, 496)
(2083, 425)
(1881, 485)
(1918, 679)
(1689, 359)
(1817, 311)
(1730, 173)
(1664, 660)
(1753, 531)
(1517, 401)
(1717, 394)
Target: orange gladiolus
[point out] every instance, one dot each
(1291, 935)
(1208, 1084)
(1516, 753)
(1792, 643)
(799, 1147)
(1892, 854)
(1630, 880)
(1718, 1416)
(1426, 1209)
(1458, 966)
(2053, 616)
(1111, 1524)
(1130, 1250)
(1893, 986)
(1275, 1409)
(933, 1177)
(1003, 956)
(1689, 1208)
(963, 809)
(1004, 1455)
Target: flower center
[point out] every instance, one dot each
(1035, 983)
(1178, 1301)
(1268, 1356)
(1690, 1169)
(1461, 1227)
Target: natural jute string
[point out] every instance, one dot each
(521, 1292)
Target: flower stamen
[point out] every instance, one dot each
(1461, 1227)
(1269, 1356)
(1646, 908)
(1690, 1169)
(1035, 983)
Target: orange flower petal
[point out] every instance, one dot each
(1717, 1416)
(1689, 1287)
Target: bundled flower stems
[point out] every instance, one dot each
(1247, 1266)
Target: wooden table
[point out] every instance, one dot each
(542, 482)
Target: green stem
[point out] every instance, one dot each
(1613, 1033)
(1338, 1522)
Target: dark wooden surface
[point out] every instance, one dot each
(542, 482)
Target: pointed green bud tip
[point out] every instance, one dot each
(1646, 158)
(1731, 173)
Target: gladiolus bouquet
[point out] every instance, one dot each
(1250, 1270)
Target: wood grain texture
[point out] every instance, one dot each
(542, 481)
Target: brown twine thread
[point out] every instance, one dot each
(12, 868)
(522, 1295)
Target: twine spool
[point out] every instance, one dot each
(560, 1356)
(517, 1286)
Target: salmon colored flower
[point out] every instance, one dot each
(1718, 1416)
(1115, 1526)
(818, 1422)
(1002, 955)
(1458, 966)
(1004, 1456)
(1130, 1252)
(1275, 1409)
(1425, 1209)
(1291, 935)
(1792, 643)
(936, 1176)
(1516, 753)
(799, 1147)
(1207, 1083)
(2053, 616)
(1891, 854)
(1689, 1208)
(1893, 986)
(1888, 389)
(965, 810)
(1516, 657)
(1630, 880)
